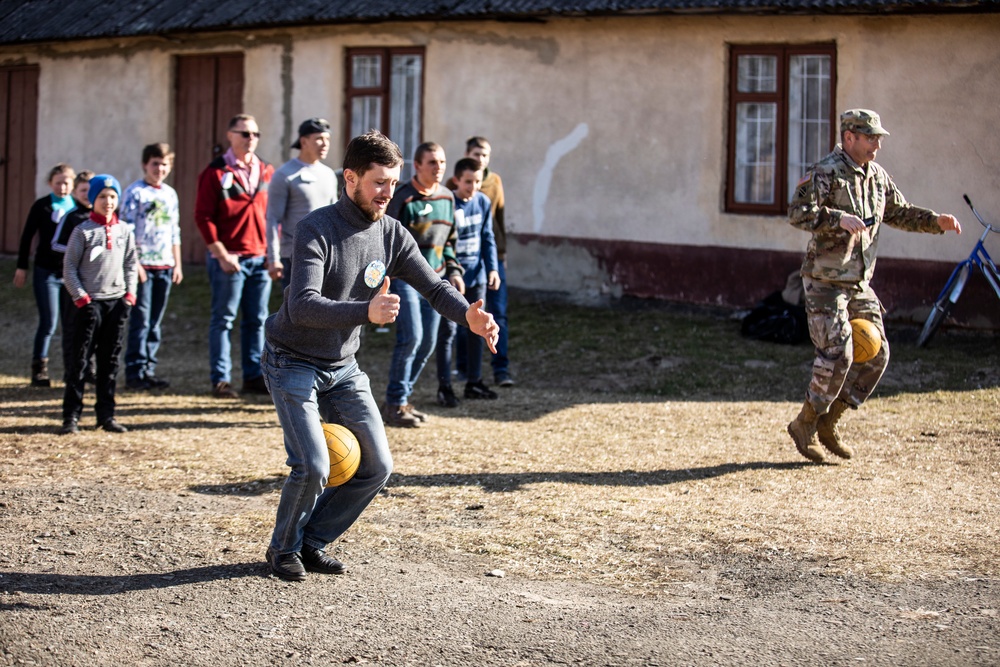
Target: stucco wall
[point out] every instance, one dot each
(602, 128)
(97, 112)
(636, 108)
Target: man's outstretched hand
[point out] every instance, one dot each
(482, 324)
(949, 223)
(384, 307)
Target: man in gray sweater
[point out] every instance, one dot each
(298, 187)
(344, 257)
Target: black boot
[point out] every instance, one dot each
(40, 373)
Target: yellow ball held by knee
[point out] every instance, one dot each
(867, 340)
(345, 454)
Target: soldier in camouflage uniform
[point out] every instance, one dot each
(843, 200)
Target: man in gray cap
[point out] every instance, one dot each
(299, 187)
(843, 200)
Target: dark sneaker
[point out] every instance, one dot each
(69, 427)
(255, 386)
(504, 381)
(137, 384)
(413, 411)
(286, 566)
(111, 426)
(156, 383)
(316, 560)
(40, 373)
(447, 397)
(479, 390)
(224, 390)
(397, 415)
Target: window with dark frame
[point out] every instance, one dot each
(385, 92)
(782, 118)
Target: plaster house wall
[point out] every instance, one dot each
(604, 129)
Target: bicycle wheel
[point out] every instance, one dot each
(943, 306)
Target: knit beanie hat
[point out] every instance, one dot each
(102, 182)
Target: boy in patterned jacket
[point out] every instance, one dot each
(150, 208)
(99, 271)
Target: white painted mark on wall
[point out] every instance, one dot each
(556, 152)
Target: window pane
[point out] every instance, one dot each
(756, 126)
(808, 114)
(366, 114)
(404, 109)
(366, 71)
(757, 74)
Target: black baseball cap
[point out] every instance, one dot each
(311, 126)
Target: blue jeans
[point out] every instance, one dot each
(248, 291)
(305, 395)
(496, 305)
(471, 345)
(416, 334)
(144, 323)
(46, 285)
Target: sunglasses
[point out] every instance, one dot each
(246, 134)
(871, 138)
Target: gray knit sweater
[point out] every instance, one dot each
(326, 303)
(92, 269)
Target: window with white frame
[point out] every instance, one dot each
(385, 92)
(782, 118)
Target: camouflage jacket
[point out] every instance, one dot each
(837, 185)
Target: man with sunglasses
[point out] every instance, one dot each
(231, 214)
(842, 201)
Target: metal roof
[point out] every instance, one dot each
(24, 21)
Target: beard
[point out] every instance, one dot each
(367, 206)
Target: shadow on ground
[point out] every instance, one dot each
(501, 482)
(80, 584)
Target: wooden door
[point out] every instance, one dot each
(18, 142)
(209, 91)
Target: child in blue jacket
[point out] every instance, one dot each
(476, 250)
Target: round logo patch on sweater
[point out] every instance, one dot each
(374, 273)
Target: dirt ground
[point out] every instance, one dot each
(142, 580)
(138, 565)
(581, 519)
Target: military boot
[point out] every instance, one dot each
(803, 432)
(826, 429)
(40, 373)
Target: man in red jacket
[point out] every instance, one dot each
(230, 212)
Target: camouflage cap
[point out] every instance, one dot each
(862, 121)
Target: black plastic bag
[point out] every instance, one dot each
(776, 321)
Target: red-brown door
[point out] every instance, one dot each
(18, 142)
(209, 91)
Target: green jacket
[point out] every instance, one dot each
(431, 220)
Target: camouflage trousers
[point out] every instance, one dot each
(829, 308)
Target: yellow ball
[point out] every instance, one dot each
(345, 453)
(867, 340)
